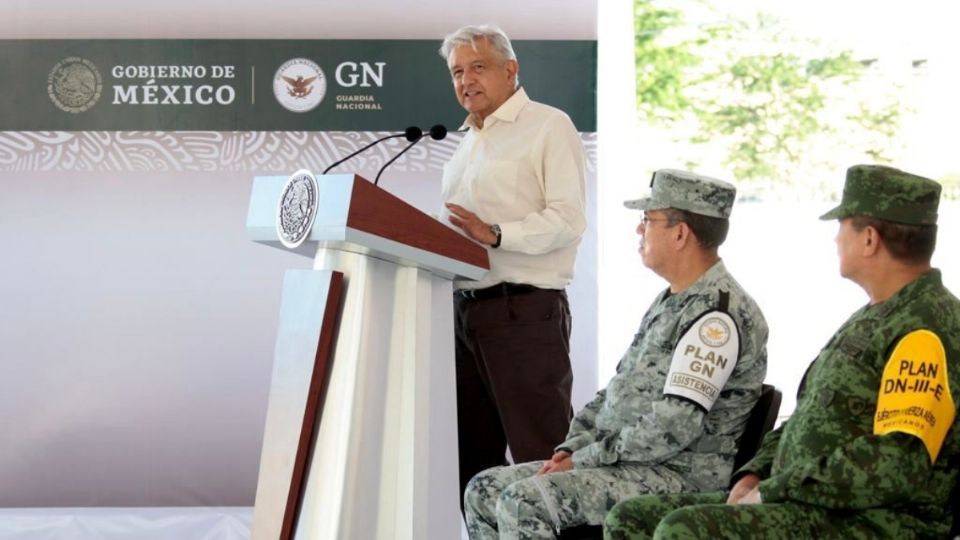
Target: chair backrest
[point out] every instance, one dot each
(761, 420)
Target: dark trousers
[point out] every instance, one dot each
(513, 377)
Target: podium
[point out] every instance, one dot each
(360, 439)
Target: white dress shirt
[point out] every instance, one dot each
(524, 170)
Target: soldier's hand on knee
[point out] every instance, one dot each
(561, 461)
(753, 497)
(745, 485)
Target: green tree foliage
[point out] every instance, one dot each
(951, 187)
(765, 96)
(661, 68)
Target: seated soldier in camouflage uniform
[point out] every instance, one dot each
(671, 417)
(869, 452)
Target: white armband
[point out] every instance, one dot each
(704, 359)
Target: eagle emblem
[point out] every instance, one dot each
(74, 84)
(297, 208)
(714, 332)
(299, 87)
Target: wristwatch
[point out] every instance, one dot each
(495, 229)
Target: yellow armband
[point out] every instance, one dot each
(914, 394)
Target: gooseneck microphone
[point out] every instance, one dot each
(438, 132)
(412, 134)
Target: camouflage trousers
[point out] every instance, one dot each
(513, 503)
(706, 515)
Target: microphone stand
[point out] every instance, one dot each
(394, 158)
(412, 133)
(437, 133)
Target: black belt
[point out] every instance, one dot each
(497, 291)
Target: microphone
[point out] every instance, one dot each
(438, 132)
(412, 134)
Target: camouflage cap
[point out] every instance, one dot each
(687, 191)
(888, 194)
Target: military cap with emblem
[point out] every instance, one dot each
(889, 194)
(687, 191)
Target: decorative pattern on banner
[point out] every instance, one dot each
(252, 151)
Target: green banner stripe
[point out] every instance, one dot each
(223, 85)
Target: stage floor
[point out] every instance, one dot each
(182, 523)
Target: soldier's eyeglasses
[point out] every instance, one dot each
(645, 220)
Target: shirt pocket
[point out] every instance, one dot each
(494, 188)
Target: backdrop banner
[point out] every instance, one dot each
(263, 85)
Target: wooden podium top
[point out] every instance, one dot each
(355, 215)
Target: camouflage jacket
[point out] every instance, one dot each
(632, 421)
(827, 455)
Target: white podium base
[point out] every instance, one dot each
(384, 460)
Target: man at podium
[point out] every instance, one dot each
(515, 184)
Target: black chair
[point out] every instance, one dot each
(762, 417)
